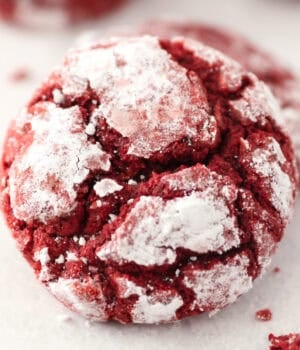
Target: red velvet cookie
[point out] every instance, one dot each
(53, 12)
(148, 180)
(283, 81)
(285, 342)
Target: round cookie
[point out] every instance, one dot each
(148, 180)
(52, 12)
(283, 81)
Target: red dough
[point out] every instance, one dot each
(36, 12)
(284, 82)
(264, 315)
(148, 180)
(285, 342)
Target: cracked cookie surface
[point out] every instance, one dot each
(148, 180)
(282, 80)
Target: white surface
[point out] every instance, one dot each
(31, 319)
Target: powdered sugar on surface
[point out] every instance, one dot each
(58, 96)
(145, 95)
(219, 286)
(43, 257)
(266, 245)
(84, 297)
(105, 187)
(159, 306)
(152, 231)
(267, 163)
(257, 104)
(43, 177)
(230, 71)
(263, 237)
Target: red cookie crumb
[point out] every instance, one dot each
(283, 81)
(285, 342)
(19, 74)
(276, 269)
(264, 315)
(148, 180)
(52, 12)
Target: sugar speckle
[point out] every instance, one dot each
(90, 129)
(43, 257)
(81, 241)
(84, 260)
(60, 259)
(71, 256)
(58, 96)
(112, 217)
(106, 187)
(132, 182)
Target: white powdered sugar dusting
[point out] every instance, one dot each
(266, 245)
(43, 177)
(43, 257)
(82, 241)
(230, 72)
(256, 104)
(220, 285)
(155, 228)
(159, 306)
(145, 95)
(264, 240)
(105, 187)
(71, 256)
(58, 96)
(267, 163)
(60, 259)
(90, 129)
(76, 294)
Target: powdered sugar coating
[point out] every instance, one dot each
(256, 105)
(43, 178)
(85, 297)
(267, 163)
(58, 96)
(157, 307)
(279, 76)
(106, 186)
(154, 228)
(220, 285)
(42, 256)
(151, 118)
(261, 227)
(154, 220)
